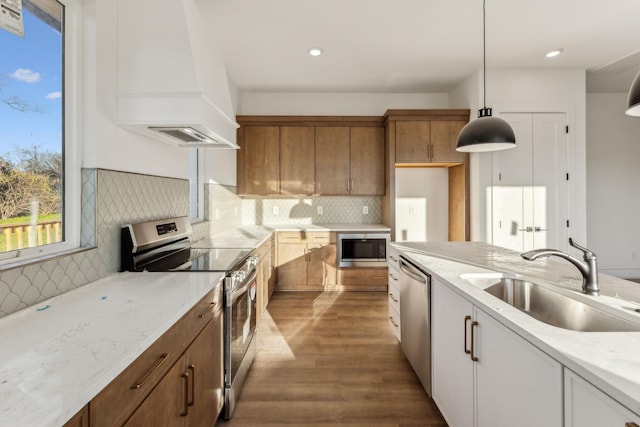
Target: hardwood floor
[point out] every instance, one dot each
(330, 358)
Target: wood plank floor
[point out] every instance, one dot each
(329, 359)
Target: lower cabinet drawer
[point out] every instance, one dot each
(394, 318)
(370, 277)
(394, 297)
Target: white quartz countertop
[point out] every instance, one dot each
(57, 355)
(252, 236)
(609, 360)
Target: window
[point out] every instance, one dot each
(32, 135)
(195, 185)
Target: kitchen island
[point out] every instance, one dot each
(607, 360)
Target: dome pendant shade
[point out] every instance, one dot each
(486, 133)
(633, 99)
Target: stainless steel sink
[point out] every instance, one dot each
(557, 309)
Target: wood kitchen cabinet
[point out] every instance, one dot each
(181, 373)
(332, 162)
(191, 393)
(428, 138)
(259, 160)
(350, 161)
(265, 276)
(306, 155)
(306, 260)
(80, 419)
(479, 362)
(588, 406)
(297, 149)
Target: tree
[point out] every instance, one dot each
(35, 176)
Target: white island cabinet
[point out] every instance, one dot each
(478, 362)
(587, 406)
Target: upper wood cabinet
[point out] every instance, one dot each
(297, 146)
(311, 155)
(367, 161)
(427, 136)
(259, 159)
(332, 160)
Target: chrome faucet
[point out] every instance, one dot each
(588, 267)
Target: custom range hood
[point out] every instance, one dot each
(172, 81)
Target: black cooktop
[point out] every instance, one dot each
(221, 259)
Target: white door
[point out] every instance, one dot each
(529, 184)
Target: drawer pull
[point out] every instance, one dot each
(466, 319)
(392, 297)
(394, 323)
(394, 259)
(203, 315)
(393, 277)
(153, 370)
(186, 395)
(192, 368)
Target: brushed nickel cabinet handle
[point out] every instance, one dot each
(392, 297)
(158, 364)
(393, 277)
(394, 259)
(394, 323)
(192, 368)
(473, 350)
(186, 395)
(466, 319)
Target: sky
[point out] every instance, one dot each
(31, 68)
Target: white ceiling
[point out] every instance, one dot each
(421, 45)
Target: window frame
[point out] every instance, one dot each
(72, 29)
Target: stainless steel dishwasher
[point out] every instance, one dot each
(415, 319)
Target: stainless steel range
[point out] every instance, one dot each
(164, 245)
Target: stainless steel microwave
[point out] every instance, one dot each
(362, 249)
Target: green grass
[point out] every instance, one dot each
(25, 240)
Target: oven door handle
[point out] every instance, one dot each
(242, 289)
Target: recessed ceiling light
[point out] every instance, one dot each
(554, 53)
(315, 51)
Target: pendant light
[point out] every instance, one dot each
(486, 133)
(633, 99)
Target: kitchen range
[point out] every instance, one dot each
(163, 246)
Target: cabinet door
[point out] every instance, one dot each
(261, 159)
(332, 161)
(321, 267)
(292, 265)
(516, 384)
(444, 138)
(297, 168)
(452, 368)
(204, 364)
(413, 138)
(167, 403)
(80, 419)
(587, 406)
(367, 161)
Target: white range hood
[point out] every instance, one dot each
(172, 81)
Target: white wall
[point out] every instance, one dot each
(532, 90)
(613, 198)
(336, 103)
(431, 185)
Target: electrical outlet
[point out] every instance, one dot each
(276, 210)
(320, 210)
(365, 210)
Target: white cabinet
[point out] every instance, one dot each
(587, 406)
(393, 290)
(529, 191)
(479, 363)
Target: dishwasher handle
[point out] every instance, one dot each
(412, 271)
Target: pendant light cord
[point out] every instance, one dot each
(484, 54)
